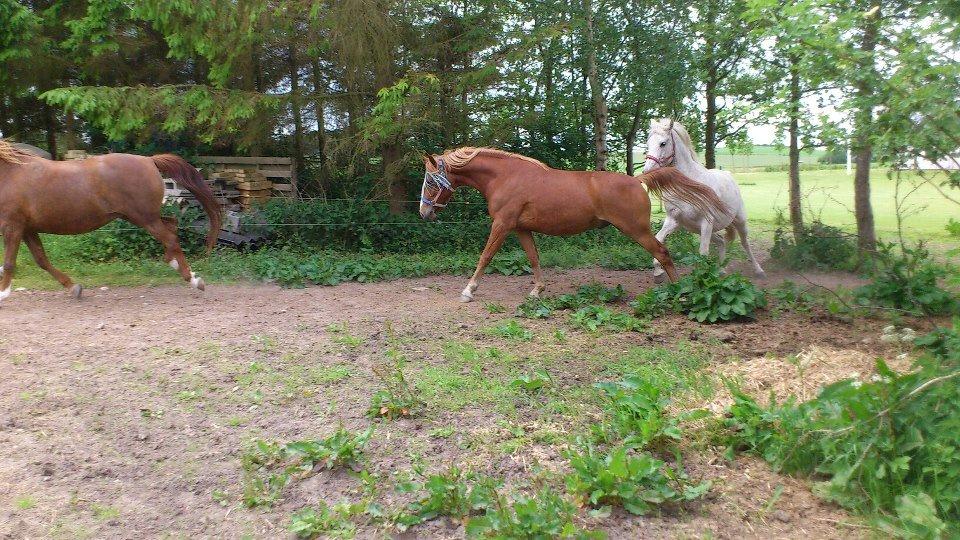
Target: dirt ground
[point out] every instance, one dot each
(123, 415)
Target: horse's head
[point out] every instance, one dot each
(661, 145)
(436, 190)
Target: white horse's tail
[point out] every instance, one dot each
(670, 182)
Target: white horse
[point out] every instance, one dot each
(669, 145)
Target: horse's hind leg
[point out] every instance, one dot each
(669, 226)
(166, 234)
(642, 234)
(741, 225)
(526, 240)
(11, 245)
(40, 256)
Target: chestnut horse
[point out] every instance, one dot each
(73, 197)
(526, 196)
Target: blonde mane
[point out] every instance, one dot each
(663, 126)
(10, 153)
(461, 156)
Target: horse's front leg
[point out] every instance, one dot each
(11, 245)
(498, 233)
(670, 225)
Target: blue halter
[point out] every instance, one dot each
(436, 180)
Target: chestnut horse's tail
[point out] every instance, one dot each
(177, 168)
(676, 185)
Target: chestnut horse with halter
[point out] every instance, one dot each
(526, 196)
(73, 197)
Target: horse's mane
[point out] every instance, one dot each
(461, 156)
(10, 153)
(663, 126)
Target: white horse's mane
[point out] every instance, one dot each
(663, 126)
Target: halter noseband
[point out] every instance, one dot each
(672, 158)
(439, 181)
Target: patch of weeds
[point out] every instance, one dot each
(266, 343)
(465, 378)
(790, 297)
(151, 414)
(340, 335)
(593, 293)
(560, 335)
(441, 432)
(494, 308)
(104, 512)
(636, 409)
(908, 281)
(637, 481)
(818, 246)
(511, 330)
(398, 398)
(268, 466)
(25, 502)
(329, 374)
(594, 318)
(326, 521)
(452, 493)
(532, 382)
(706, 295)
(221, 497)
(545, 515)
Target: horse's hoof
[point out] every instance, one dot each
(464, 298)
(659, 278)
(76, 291)
(200, 285)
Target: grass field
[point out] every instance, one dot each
(760, 156)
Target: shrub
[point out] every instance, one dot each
(819, 246)
(907, 280)
(638, 482)
(887, 447)
(953, 228)
(705, 295)
(120, 240)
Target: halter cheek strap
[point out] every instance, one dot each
(672, 158)
(439, 180)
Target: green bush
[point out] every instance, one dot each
(121, 240)
(819, 246)
(887, 447)
(705, 295)
(907, 280)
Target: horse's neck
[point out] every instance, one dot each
(479, 173)
(692, 168)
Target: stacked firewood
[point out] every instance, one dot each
(253, 187)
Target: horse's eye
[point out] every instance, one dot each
(663, 143)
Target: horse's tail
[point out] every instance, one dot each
(177, 168)
(675, 185)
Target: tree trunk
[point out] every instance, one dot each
(319, 105)
(862, 147)
(710, 130)
(392, 167)
(631, 138)
(50, 123)
(796, 209)
(600, 113)
(297, 113)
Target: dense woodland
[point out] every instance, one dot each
(356, 90)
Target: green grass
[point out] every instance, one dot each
(829, 195)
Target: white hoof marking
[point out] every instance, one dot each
(174, 264)
(464, 298)
(4, 293)
(197, 282)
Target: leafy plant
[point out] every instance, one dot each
(546, 515)
(637, 481)
(326, 521)
(269, 466)
(397, 398)
(532, 382)
(791, 297)
(511, 263)
(887, 446)
(636, 411)
(512, 330)
(593, 318)
(705, 295)
(953, 228)
(592, 293)
(452, 493)
(907, 280)
(493, 307)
